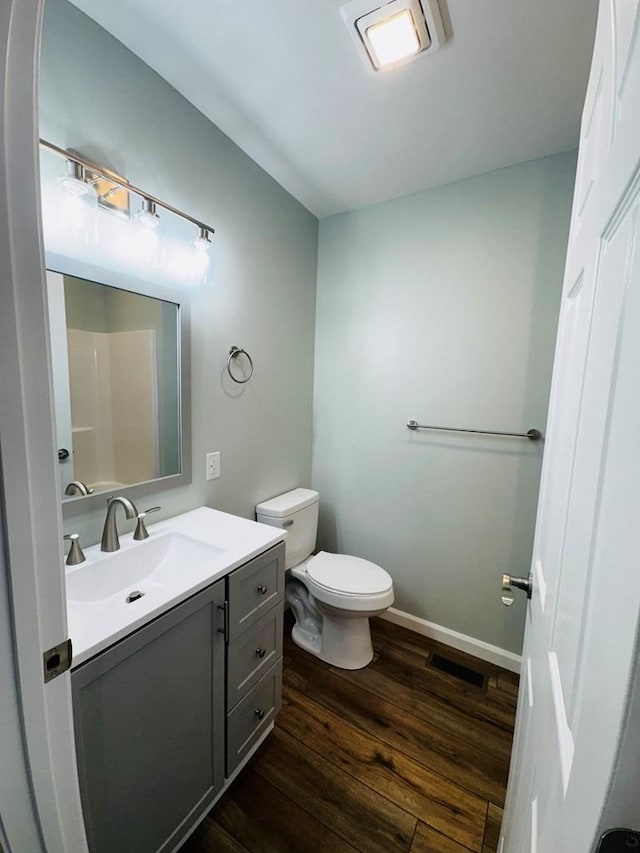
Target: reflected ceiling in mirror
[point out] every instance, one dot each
(117, 385)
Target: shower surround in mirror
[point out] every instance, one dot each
(114, 409)
(115, 363)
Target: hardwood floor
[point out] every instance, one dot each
(398, 756)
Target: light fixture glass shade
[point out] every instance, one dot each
(147, 217)
(394, 38)
(203, 241)
(200, 266)
(75, 185)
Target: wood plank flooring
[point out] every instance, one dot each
(398, 756)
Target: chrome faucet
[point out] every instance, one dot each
(110, 539)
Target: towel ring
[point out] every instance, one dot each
(234, 352)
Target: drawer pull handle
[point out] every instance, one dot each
(261, 652)
(259, 713)
(262, 589)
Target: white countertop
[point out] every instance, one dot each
(222, 541)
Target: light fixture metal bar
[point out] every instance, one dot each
(93, 167)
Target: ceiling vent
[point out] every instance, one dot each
(396, 33)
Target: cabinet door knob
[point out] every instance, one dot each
(261, 652)
(262, 589)
(259, 713)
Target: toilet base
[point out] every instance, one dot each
(307, 641)
(344, 642)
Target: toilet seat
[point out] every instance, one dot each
(347, 575)
(349, 584)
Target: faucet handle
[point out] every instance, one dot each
(141, 529)
(76, 554)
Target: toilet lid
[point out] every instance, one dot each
(349, 575)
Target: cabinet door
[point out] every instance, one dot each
(149, 721)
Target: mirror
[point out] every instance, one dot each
(118, 386)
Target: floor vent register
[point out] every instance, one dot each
(457, 670)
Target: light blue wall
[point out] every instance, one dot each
(98, 98)
(441, 306)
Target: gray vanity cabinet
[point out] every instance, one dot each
(149, 718)
(160, 714)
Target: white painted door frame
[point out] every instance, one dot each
(32, 522)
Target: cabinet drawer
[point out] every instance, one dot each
(252, 715)
(254, 589)
(252, 654)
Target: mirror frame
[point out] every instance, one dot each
(65, 265)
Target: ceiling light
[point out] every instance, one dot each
(393, 39)
(203, 241)
(147, 217)
(395, 33)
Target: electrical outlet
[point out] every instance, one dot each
(213, 465)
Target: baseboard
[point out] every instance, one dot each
(478, 648)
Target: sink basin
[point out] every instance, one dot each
(112, 594)
(165, 561)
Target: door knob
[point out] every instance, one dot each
(619, 841)
(525, 584)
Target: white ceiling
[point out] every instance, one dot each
(283, 79)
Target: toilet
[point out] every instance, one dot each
(332, 596)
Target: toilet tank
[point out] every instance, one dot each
(297, 512)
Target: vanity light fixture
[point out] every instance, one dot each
(395, 33)
(147, 216)
(84, 175)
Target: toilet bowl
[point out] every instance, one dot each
(332, 596)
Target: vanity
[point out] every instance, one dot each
(177, 672)
(177, 638)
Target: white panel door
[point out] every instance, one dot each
(583, 613)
